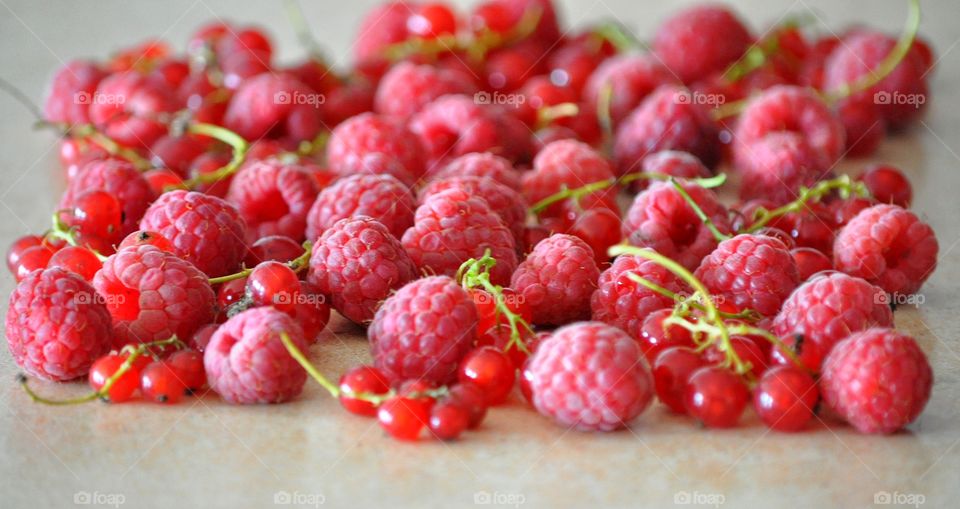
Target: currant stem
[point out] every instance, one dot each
(844, 184)
(59, 230)
(579, 192)
(548, 114)
(297, 264)
(746, 314)
(717, 234)
(302, 29)
(475, 273)
(239, 145)
(604, 100)
(308, 366)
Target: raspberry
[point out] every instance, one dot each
(205, 230)
(674, 163)
(118, 178)
(357, 262)
(507, 203)
(829, 307)
(660, 219)
(423, 330)
(780, 164)
(370, 143)
(888, 246)
(557, 279)
(667, 119)
(570, 164)
(590, 376)
(247, 362)
(454, 125)
(56, 325)
(624, 303)
(701, 40)
(152, 295)
(273, 198)
(751, 272)
(130, 116)
(631, 78)
(176, 153)
(72, 88)
(879, 380)
(381, 197)
(408, 87)
(792, 109)
(482, 164)
(273, 106)
(453, 226)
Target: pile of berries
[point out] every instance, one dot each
(455, 192)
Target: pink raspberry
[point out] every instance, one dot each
(57, 326)
(751, 272)
(423, 330)
(590, 376)
(792, 109)
(557, 279)
(152, 295)
(118, 178)
(622, 302)
(71, 92)
(701, 40)
(830, 306)
(273, 198)
(130, 116)
(247, 363)
(507, 203)
(661, 219)
(630, 79)
(482, 164)
(370, 143)
(453, 226)
(274, 106)
(570, 164)
(408, 87)
(454, 125)
(879, 380)
(381, 197)
(888, 246)
(780, 164)
(205, 230)
(357, 262)
(667, 119)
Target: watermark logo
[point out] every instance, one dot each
(899, 99)
(698, 498)
(897, 498)
(512, 300)
(290, 299)
(297, 98)
(701, 98)
(84, 298)
(499, 98)
(498, 498)
(97, 498)
(298, 498)
(900, 299)
(98, 98)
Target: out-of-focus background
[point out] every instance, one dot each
(310, 453)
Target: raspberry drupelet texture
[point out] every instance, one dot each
(622, 302)
(370, 143)
(674, 163)
(57, 325)
(423, 330)
(557, 279)
(274, 106)
(780, 164)
(507, 203)
(454, 125)
(206, 231)
(831, 306)
(118, 178)
(750, 272)
(273, 198)
(660, 219)
(357, 263)
(76, 80)
(590, 376)
(888, 246)
(247, 363)
(567, 164)
(630, 79)
(701, 40)
(879, 380)
(453, 226)
(131, 117)
(408, 87)
(152, 295)
(482, 164)
(381, 197)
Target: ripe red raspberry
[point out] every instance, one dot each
(570, 164)
(453, 226)
(205, 230)
(701, 40)
(630, 79)
(667, 119)
(879, 380)
(482, 164)
(792, 109)
(408, 87)
(273, 198)
(152, 295)
(370, 143)
(590, 376)
(71, 92)
(126, 107)
(780, 164)
(829, 307)
(661, 219)
(274, 106)
(622, 302)
(357, 262)
(557, 279)
(750, 272)
(247, 363)
(454, 125)
(118, 178)
(56, 325)
(888, 246)
(423, 330)
(507, 203)
(381, 197)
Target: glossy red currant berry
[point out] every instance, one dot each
(141, 237)
(231, 292)
(104, 368)
(888, 185)
(273, 284)
(403, 418)
(18, 247)
(655, 337)
(162, 180)
(310, 310)
(716, 397)
(746, 350)
(31, 259)
(362, 380)
(809, 354)
(786, 398)
(97, 214)
(671, 372)
(600, 229)
(188, 364)
(491, 370)
(471, 398)
(160, 382)
(488, 315)
(448, 419)
(432, 20)
(79, 260)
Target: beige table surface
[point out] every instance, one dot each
(207, 454)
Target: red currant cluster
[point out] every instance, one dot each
(456, 192)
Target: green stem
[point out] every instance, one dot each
(59, 230)
(579, 192)
(746, 314)
(548, 114)
(297, 264)
(239, 145)
(844, 184)
(308, 367)
(717, 234)
(475, 273)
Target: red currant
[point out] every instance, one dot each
(745, 348)
(162, 179)
(785, 398)
(432, 20)
(716, 397)
(471, 398)
(488, 315)
(188, 364)
(231, 292)
(778, 234)
(403, 418)
(362, 380)
(310, 310)
(78, 260)
(273, 284)
(809, 354)
(31, 259)
(600, 228)
(671, 372)
(491, 370)
(161, 382)
(888, 184)
(104, 368)
(655, 337)
(18, 247)
(141, 237)
(97, 214)
(448, 419)
(492, 16)
(810, 261)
